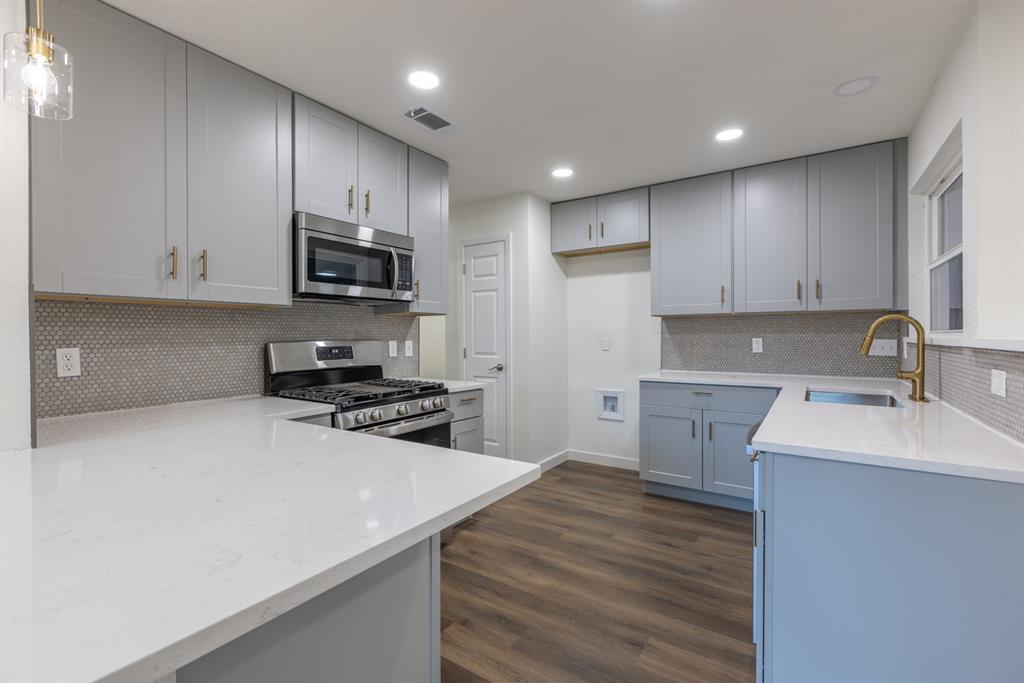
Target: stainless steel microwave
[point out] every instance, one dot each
(338, 260)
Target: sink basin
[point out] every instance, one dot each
(849, 398)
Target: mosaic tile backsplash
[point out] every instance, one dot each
(794, 343)
(142, 355)
(961, 377)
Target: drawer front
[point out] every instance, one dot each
(708, 397)
(467, 404)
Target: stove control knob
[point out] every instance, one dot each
(360, 418)
(403, 409)
(376, 415)
(438, 403)
(425, 404)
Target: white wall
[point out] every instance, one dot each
(981, 88)
(609, 295)
(15, 311)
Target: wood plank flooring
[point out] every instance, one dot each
(581, 577)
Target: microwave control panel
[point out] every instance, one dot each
(405, 272)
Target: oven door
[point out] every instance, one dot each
(335, 266)
(434, 429)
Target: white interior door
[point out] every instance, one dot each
(485, 336)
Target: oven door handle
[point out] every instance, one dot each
(413, 425)
(394, 270)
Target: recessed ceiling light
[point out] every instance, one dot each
(562, 172)
(728, 134)
(855, 86)
(424, 80)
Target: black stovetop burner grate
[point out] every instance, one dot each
(357, 393)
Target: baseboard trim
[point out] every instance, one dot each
(693, 496)
(605, 459)
(553, 461)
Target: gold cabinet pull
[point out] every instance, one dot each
(367, 202)
(723, 295)
(590, 231)
(817, 289)
(417, 290)
(351, 197)
(602, 229)
(711, 431)
(174, 263)
(204, 274)
(799, 291)
(693, 429)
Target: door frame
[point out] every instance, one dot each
(509, 365)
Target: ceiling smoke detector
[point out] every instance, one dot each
(430, 120)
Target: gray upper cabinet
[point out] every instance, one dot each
(572, 225)
(770, 237)
(623, 218)
(850, 228)
(383, 182)
(691, 246)
(727, 469)
(326, 160)
(670, 445)
(108, 186)
(239, 183)
(428, 226)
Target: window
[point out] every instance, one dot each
(946, 258)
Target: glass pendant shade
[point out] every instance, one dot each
(37, 75)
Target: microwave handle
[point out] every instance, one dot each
(394, 272)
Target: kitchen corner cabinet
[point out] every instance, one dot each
(428, 226)
(108, 186)
(691, 246)
(850, 228)
(770, 237)
(239, 183)
(383, 182)
(326, 161)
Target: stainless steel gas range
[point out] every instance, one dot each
(350, 376)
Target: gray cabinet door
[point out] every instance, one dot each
(326, 159)
(108, 186)
(670, 446)
(849, 221)
(623, 218)
(770, 237)
(383, 182)
(691, 246)
(239, 183)
(428, 226)
(573, 225)
(468, 435)
(727, 468)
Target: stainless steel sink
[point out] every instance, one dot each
(849, 398)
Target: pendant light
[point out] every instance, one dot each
(37, 72)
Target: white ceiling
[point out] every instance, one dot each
(626, 93)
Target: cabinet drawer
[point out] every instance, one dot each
(467, 404)
(708, 397)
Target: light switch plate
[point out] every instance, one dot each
(392, 348)
(69, 363)
(999, 383)
(408, 347)
(757, 345)
(883, 347)
(606, 343)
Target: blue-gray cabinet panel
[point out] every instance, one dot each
(670, 446)
(428, 226)
(623, 218)
(850, 228)
(326, 159)
(383, 182)
(727, 467)
(709, 397)
(573, 225)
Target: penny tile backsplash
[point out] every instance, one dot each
(142, 355)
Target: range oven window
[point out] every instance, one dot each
(347, 264)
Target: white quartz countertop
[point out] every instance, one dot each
(929, 437)
(134, 542)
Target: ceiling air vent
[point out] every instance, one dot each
(429, 119)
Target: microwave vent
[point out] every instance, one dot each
(429, 119)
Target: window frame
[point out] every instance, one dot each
(954, 171)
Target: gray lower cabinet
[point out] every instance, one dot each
(428, 225)
(670, 446)
(383, 181)
(727, 469)
(467, 430)
(239, 183)
(691, 246)
(572, 225)
(770, 237)
(326, 161)
(850, 228)
(108, 186)
(623, 218)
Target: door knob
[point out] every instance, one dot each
(499, 367)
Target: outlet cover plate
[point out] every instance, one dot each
(392, 348)
(69, 362)
(999, 383)
(756, 345)
(606, 343)
(408, 348)
(883, 347)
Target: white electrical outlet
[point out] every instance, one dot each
(999, 383)
(757, 345)
(408, 347)
(883, 347)
(906, 350)
(606, 343)
(69, 363)
(392, 348)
